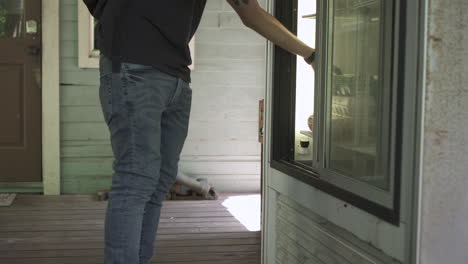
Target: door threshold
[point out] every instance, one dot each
(21, 187)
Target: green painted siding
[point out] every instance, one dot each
(228, 81)
(85, 148)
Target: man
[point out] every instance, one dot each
(146, 100)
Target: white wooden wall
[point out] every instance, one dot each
(228, 82)
(304, 224)
(305, 237)
(444, 206)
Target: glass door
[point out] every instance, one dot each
(305, 86)
(357, 121)
(336, 128)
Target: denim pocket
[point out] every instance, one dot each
(105, 96)
(184, 98)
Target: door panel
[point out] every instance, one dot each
(12, 110)
(20, 91)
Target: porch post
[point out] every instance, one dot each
(50, 97)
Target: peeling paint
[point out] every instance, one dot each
(444, 225)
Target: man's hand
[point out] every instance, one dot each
(254, 17)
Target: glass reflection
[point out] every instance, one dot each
(355, 105)
(11, 18)
(306, 27)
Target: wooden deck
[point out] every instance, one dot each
(69, 230)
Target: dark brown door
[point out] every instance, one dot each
(20, 91)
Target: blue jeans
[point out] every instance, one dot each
(147, 113)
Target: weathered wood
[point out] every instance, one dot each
(87, 251)
(307, 236)
(98, 242)
(179, 258)
(43, 229)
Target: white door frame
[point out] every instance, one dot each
(269, 194)
(268, 239)
(50, 97)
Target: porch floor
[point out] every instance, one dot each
(69, 230)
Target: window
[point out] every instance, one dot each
(88, 49)
(337, 128)
(11, 18)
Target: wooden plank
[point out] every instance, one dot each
(90, 214)
(244, 260)
(246, 131)
(85, 226)
(305, 227)
(69, 229)
(91, 198)
(302, 247)
(38, 222)
(200, 113)
(90, 237)
(65, 243)
(90, 184)
(98, 231)
(228, 35)
(103, 206)
(102, 148)
(85, 252)
(94, 203)
(166, 259)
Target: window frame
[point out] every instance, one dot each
(88, 57)
(283, 116)
(388, 123)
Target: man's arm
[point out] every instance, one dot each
(254, 17)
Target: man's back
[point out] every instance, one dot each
(155, 33)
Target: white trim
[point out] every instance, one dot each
(415, 236)
(269, 196)
(87, 56)
(50, 97)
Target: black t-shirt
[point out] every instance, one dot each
(151, 32)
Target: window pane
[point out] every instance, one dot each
(11, 18)
(355, 105)
(305, 85)
(94, 34)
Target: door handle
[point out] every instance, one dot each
(34, 50)
(261, 115)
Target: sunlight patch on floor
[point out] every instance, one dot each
(246, 209)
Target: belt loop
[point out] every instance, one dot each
(116, 64)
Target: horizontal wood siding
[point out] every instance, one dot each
(305, 237)
(228, 81)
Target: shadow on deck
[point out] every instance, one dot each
(69, 230)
